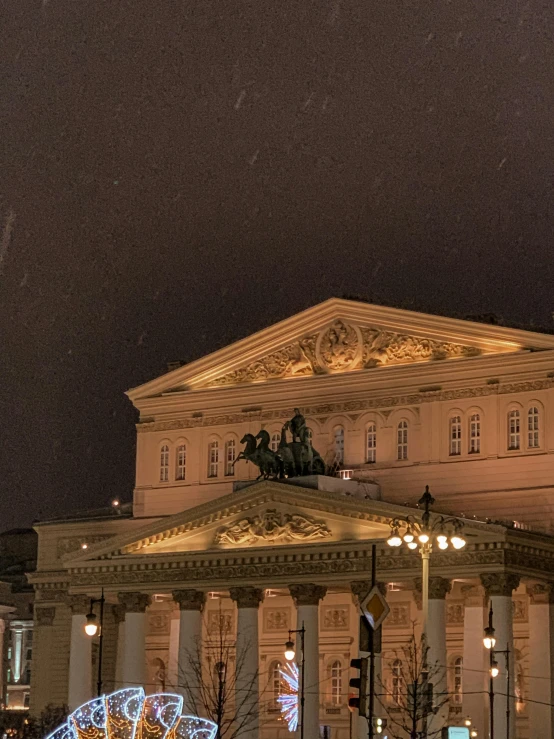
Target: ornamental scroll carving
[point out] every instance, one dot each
(342, 347)
(272, 526)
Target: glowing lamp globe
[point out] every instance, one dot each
(289, 650)
(423, 538)
(494, 669)
(457, 541)
(91, 626)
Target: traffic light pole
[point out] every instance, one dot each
(371, 711)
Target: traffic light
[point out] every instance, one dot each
(379, 724)
(360, 702)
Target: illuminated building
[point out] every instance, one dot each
(393, 401)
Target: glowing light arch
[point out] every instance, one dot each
(130, 714)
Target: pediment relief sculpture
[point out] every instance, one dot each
(272, 526)
(343, 347)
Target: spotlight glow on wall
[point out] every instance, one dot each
(129, 713)
(289, 699)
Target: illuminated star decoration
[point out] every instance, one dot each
(289, 699)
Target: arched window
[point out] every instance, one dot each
(519, 689)
(181, 462)
(229, 457)
(159, 675)
(220, 672)
(514, 430)
(474, 434)
(402, 440)
(275, 683)
(457, 692)
(533, 428)
(275, 441)
(371, 443)
(335, 673)
(396, 687)
(339, 445)
(455, 436)
(164, 463)
(213, 459)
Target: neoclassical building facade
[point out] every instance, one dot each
(393, 401)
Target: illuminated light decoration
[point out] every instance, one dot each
(289, 700)
(129, 713)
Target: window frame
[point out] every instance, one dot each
(533, 426)
(371, 450)
(164, 458)
(513, 418)
(181, 461)
(455, 435)
(338, 443)
(402, 440)
(474, 439)
(230, 445)
(335, 671)
(213, 462)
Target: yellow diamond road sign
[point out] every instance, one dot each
(375, 608)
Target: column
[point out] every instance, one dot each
(541, 659)
(499, 587)
(189, 660)
(133, 671)
(360, 588)
(475, 661)
(119, 618)
(306, 598)
(247, 660)
(2, 671)
(173, 660)
(80, 654)
(43, 644)
(439, 587)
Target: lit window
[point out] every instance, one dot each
(396, 687)
(339, 445)
(533, 428)
(371, 443)
(336, 683)
(213, 459)
(455, 436)
(275, 441)
(402, 440)
(474, 434)
(514, 434)
(229, 457)
(164, 463)
(276, 683)
(181, 462)
(458, 677)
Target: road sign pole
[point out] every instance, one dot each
(371, 711)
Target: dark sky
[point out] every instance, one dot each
(175, 175)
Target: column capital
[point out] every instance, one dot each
(247, 597)
(189, 600)
(499, 583)
(134, 602)
(44, 615)
(307, 594)
(542, 592)
(79, 604)
(439, 587)
(360, 588)
(118, 613)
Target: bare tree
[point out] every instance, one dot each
(216, 683)
(411, 707)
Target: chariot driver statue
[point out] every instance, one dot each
(297, 426)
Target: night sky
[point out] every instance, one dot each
(176, 175)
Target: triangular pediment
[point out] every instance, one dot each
(340, 336)
(264, 515)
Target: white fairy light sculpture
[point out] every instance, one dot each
(289, 699)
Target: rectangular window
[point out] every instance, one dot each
(533, 428)
(475, 434)
(514, 431)
(371, 455)
(402, 440)
(229, 457)
(455, 436)
(213, 459)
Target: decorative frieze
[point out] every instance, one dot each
(220, 622)
(272, 526)
(499, 583)
(73, 543)
(44, 615)
(542, 592)
(335, 618)
(362, 404)
(519, 610)
(189, 600)
(134, 602)
(276, 619)
(455, 612)
(247, 597)
(307, 594)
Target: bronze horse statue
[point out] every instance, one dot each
(261, 455)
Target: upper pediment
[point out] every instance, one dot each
(341, 336)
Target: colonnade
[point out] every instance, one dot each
(493, 589)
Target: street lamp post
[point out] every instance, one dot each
(290, 655)
(94, 626)
(448, 531)
(489, 642)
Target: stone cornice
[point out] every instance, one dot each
(361, 404)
